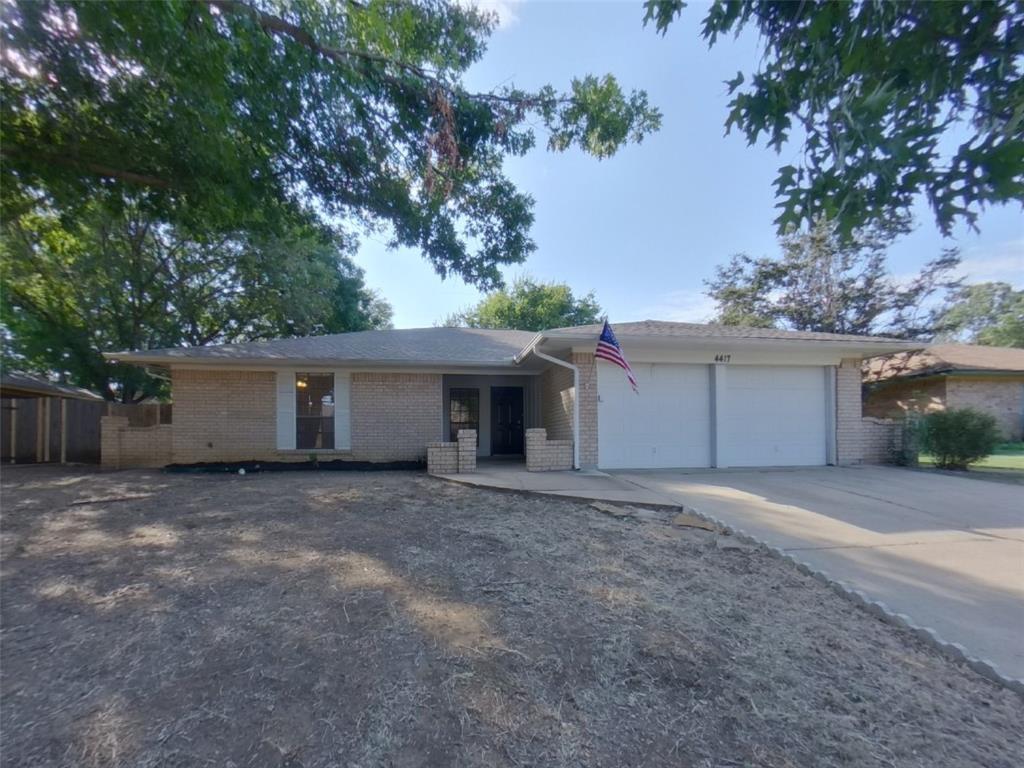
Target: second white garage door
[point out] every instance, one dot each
(667, 425)
(773, 416)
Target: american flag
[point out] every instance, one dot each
(608, 349)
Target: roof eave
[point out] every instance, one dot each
(866, 347)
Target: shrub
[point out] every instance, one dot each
(958, 437)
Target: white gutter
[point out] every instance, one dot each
(575, 393)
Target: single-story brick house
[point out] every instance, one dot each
(989, 379)
(710, 396)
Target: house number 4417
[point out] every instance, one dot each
(723, 358)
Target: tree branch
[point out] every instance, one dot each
(275, 25)
(132, 177)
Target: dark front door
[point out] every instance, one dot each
(506, 420)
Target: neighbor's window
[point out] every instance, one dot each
(464, 411)
(314, 410)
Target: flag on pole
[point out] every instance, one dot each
(608, 349)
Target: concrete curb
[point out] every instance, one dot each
(878, 609)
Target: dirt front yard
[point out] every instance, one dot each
(391, 619)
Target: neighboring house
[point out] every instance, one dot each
(989, 379)
(710, 396)
(43, 421)
(18, 384)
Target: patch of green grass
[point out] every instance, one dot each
(1007, 457)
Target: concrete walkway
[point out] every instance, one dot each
(946, 551)
(586, 484)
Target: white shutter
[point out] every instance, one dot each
(286, 410)
(342, 411)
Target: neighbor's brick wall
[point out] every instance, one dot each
(123, 446)
(849, 436)
(225, 415)
(1003, 398)
(395, 415)
(587, 365)
(556, 402)
(895, 399)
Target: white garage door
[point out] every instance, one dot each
(667, 425)
(773, 416)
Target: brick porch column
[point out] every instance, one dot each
(587, 365)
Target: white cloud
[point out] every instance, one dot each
(682, 306)
(505, 10)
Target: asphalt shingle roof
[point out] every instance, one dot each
(27, 382)
(416, 345)
(664, 329)
(454, 346)
(943, 358)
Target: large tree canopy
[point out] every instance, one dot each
(823, 282)
(224, 113)
(530, 306)
(112, 278)
(984, 313)
(890, 100)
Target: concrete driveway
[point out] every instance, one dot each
(946, 551)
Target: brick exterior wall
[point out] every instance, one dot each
(225, 415)
(587, 365)
(1003, 398)
(395, 415)
(123, 446)
(895, 399)
(556, 402)
(849, 434)
(543, 455)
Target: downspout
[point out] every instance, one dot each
(575, 393)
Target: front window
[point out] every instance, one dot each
(314, 410)
(464, 411)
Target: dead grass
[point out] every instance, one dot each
(390, 619)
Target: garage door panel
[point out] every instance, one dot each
(666, 425)
(773, 416)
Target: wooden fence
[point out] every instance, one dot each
(60, 429)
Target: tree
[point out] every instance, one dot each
(113, 278)
(878, 91)
(825, 283)
(229, 114)
(984, 313)
(530, 306)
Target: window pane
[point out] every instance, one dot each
(464, 411)
(314, 410)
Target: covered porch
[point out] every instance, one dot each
(522, 419)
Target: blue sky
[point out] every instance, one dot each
(646, 227)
